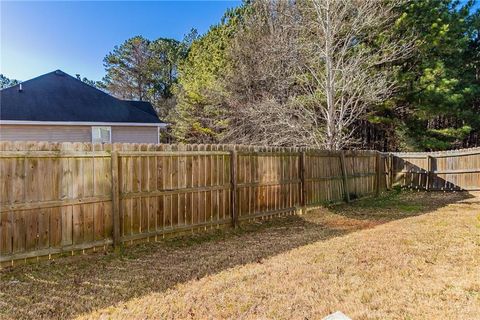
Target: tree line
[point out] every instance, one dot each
(388, 75)
(377, 74)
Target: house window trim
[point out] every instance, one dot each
(102, 127)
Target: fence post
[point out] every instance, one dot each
(379, 172)
(390, 171)
(115, 200)
(429, 172)
(233, 190)
(303, 187)
(344, 176)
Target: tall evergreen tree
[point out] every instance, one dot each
(440, 83)
(199, 115)
(141, 69)
(128, 69)
(6, 82)
(86, 80)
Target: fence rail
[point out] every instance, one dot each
(65, 197)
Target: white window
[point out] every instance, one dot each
(102, 134)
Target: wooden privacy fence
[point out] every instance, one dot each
(447, 170)
(66, 197)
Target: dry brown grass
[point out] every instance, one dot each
(406, 256)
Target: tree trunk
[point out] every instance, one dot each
(329, 85)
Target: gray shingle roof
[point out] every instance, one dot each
(57, 96)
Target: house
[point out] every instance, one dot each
(60, 108)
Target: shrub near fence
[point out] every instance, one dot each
(73, 196)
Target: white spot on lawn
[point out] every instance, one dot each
(336, 316)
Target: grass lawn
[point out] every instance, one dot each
(407, 255)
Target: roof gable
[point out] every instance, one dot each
(57, 96)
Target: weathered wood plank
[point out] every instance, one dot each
(233, 197)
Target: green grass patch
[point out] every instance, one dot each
(388, 204)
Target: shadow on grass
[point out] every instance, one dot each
(71, 286)
(399, 204)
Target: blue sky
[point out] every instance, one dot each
(39, 37)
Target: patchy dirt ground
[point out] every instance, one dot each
(402, 256)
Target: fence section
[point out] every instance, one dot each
(324, 177)
(448, 171)
(67, 197)
(165, 191)
(267, 183)
(52, 200)
(363, 169)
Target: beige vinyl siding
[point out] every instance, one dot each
(135, 134)
(55, 133)
(58, 133)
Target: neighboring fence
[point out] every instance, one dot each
(447, 170)
(73, 196)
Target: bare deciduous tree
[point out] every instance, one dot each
(265, 61)
(349, 48)
(309, 70)
(273, 123)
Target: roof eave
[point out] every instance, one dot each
(83, 123)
